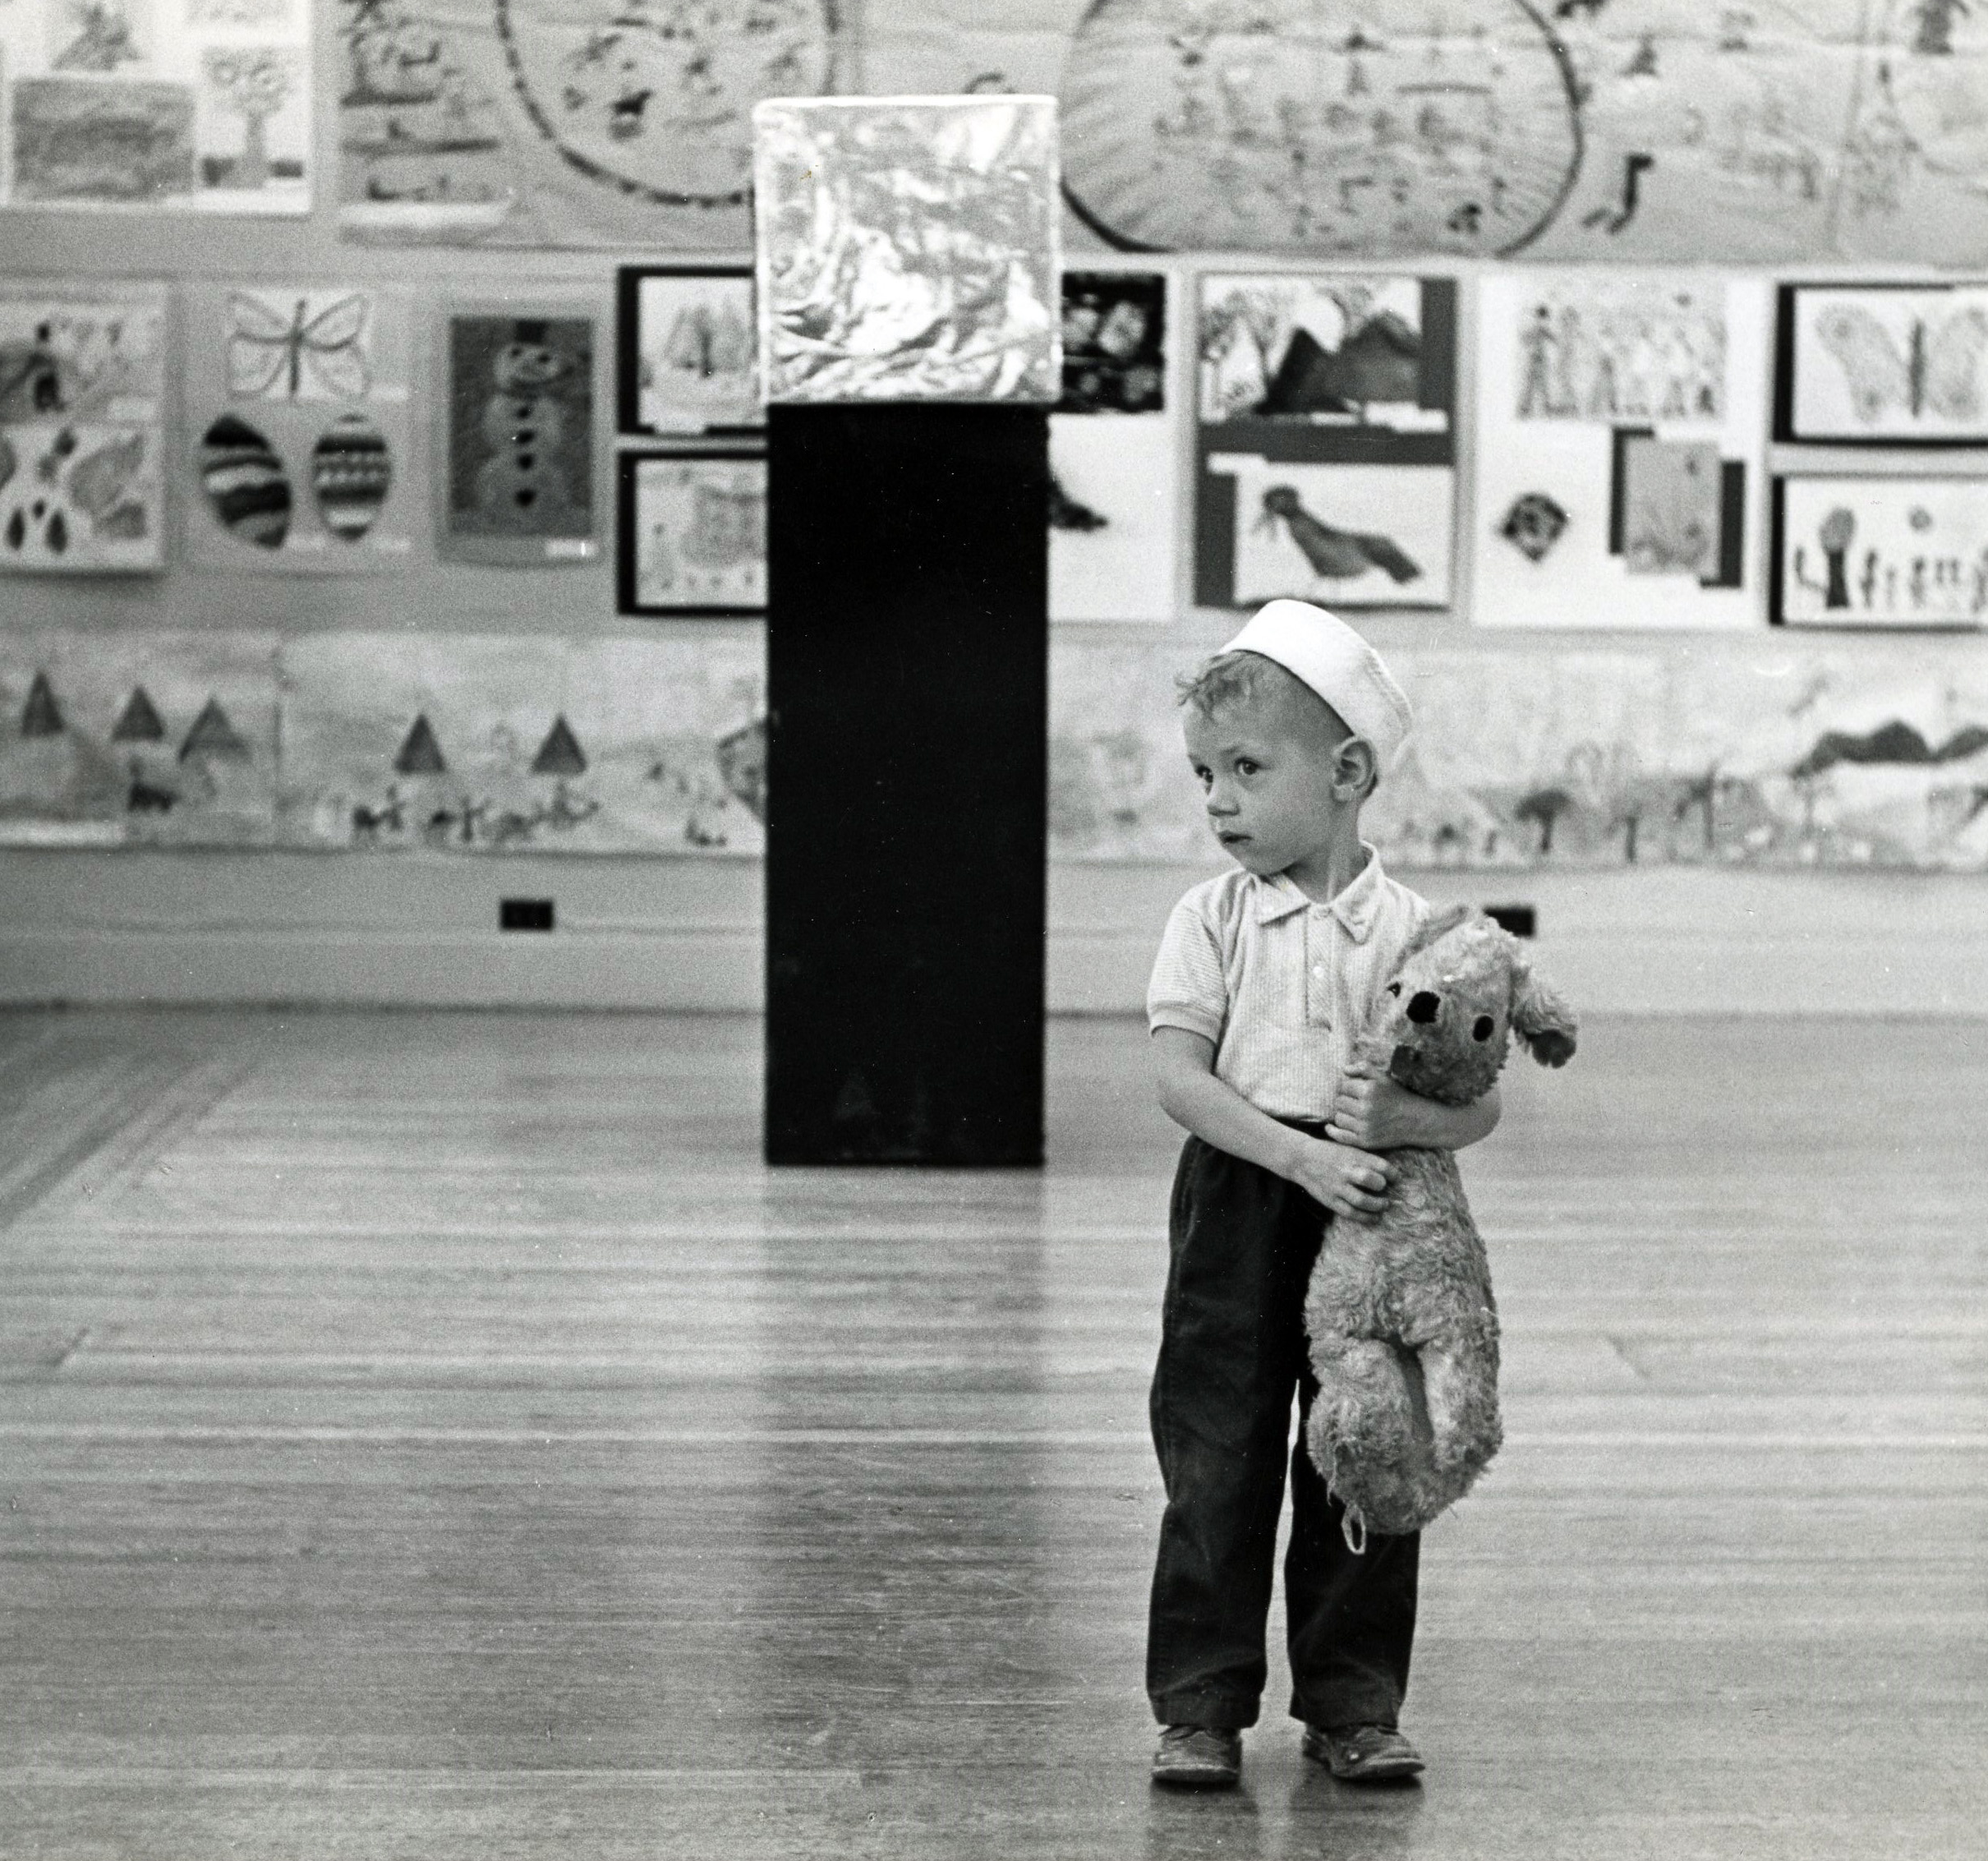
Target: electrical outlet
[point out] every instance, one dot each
(1521, 920)
(524, 913)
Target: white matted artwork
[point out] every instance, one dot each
(1880, 551)
(1816, 759)
(1883, 365)
(191, 105)
(300, 429)
(476, 743)
(1621, 429)
(688, 351)
(906, 248)
(692, 533)
(1112, 453)
(1617, 132)
(82, 413)
(114, 738)
(565, 123)
(1361, 536)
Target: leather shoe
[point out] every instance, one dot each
(1197, 1757)
(1363, 1754)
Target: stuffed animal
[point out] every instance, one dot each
(1402, 1327)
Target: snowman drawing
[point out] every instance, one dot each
(522, 487)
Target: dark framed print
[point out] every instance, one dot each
(692, 533)
(1882, 365)
(688, 352)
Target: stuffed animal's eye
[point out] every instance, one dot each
(1481, 1029)
(1394, 989)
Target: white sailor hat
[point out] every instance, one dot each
(1322, 651)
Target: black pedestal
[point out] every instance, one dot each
(907, 676)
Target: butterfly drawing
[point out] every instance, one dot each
(301, 357)
(1938, 373)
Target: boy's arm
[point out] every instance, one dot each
(1376, 1114)
(1346, 1178)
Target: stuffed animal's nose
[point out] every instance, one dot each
(1422, 1007)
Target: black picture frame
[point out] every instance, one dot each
(631, 468)
(1886, 371)
(630, 321)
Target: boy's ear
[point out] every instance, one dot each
(1542, 1019)
(1357, 768)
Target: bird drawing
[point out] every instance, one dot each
(1338, 556)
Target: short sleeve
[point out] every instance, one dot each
(1188, 989)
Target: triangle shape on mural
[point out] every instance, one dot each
(420, 754)
(141, 722)
(42, 717)
(560, 753)
(212, 736)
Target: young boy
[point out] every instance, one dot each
(1263, 980)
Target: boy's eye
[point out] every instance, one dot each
(1246, 766)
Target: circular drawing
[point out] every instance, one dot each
(654, 97)
(1342, 127)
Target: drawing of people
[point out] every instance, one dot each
(1536, 343)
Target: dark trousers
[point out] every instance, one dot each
(1231, 1356)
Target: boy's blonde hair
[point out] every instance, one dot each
(1243, 677)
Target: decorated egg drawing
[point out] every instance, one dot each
(245, 483)
(352, 471)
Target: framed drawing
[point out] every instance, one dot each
(82, 426)
(692, 533)
(1621, 419)
(1111, 453)
(1882, 552)
(1325, 444)
(1882, 365)
(517, 443)
(299, 425)
(688, 352)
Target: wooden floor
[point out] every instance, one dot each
(437, 1436)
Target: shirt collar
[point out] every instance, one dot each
(1279, 897)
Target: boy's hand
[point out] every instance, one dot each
(1348, 1181)
(1374, 1114)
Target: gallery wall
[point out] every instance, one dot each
(1716, 796)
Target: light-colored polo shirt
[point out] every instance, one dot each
(1281, 984)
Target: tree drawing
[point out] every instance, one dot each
(1700, 792)
(254, 82)
(1544, 807)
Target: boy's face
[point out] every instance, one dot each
(1268, 766)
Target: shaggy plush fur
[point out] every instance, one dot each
(1402, 1325)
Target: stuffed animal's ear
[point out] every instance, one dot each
(1438, 924)
(1541, 1019)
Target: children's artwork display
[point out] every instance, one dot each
(906, 248)
(473, 744)
(1620, 426)
(533, 123)
(1326, 443)
(81, 427)
(688, 351)
(111, 739)
(1883, 364)
(1888, 552)
(692, 533)
(1736, 755)
(1632, 131)
(518, 437)
(297, 417)
(198, 105)
(1111, 447)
